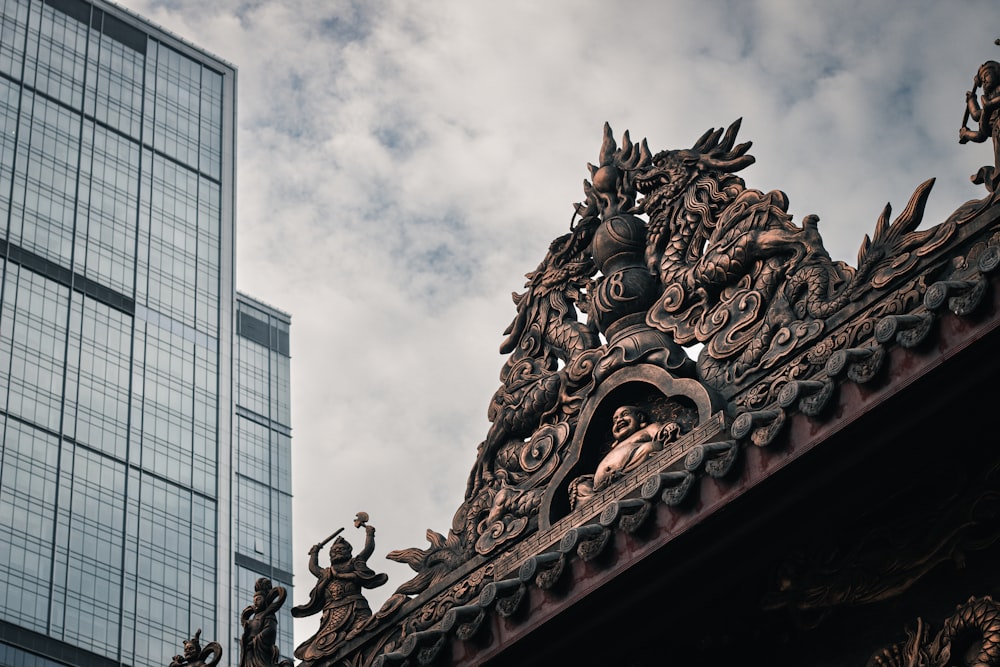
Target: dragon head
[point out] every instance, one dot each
(669, 173)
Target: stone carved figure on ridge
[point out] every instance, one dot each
(636, 438)
(260, 627)
(338, 595)
(986, 113)
(196, 656)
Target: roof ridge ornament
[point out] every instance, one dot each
(712, 263)
(602, 419)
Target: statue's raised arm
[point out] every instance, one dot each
(361, 521)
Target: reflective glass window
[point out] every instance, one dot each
(168, 257)
(10, 97)
(177, 86)
(93, 553)
(56, 55)
(167, 421)
(211, 123)
(108, 209)
(13, 31)
(27, 515)
(45, 179)
(37, 326)
(98, 375)
(115, 84)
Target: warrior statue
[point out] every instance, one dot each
(987, 115)
(337, 594)
(196, 656)
(260, 627)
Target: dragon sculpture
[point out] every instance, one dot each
(738, 275)
(714, 262)
(970, 636)
(545, 341)
(549, 370)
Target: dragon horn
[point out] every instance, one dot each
(608, 146)
(730, 138)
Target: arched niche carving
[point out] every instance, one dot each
(655, 390)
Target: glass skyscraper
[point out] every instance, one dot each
(118, 343)
(262, 493)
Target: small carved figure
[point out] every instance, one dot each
(260, 627)
(636, 438)
(196, 656)
(987, 115)
(337, 594)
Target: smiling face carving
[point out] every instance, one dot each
(627, 420)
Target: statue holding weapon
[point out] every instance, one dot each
(986, 112)
(337, 594)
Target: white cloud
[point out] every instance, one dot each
(403, 164)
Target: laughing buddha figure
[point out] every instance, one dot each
(636, 438)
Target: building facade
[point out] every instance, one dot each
(117, 335)
(262, 479)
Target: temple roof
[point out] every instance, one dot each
(623, 472)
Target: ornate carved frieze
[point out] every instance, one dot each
(606, 420)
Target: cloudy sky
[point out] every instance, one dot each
(402, 164)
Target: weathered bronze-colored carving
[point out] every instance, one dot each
(609, 445)
(635, 439)
(987, 115)
(337, 594)
(624, 292)
(716, 264)
(260, 627)
(552, 355)
(196, 656)
(545, 334)
(459, 593)
(738, 275)
(431, 564)
(656, 392)
(970, 637)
